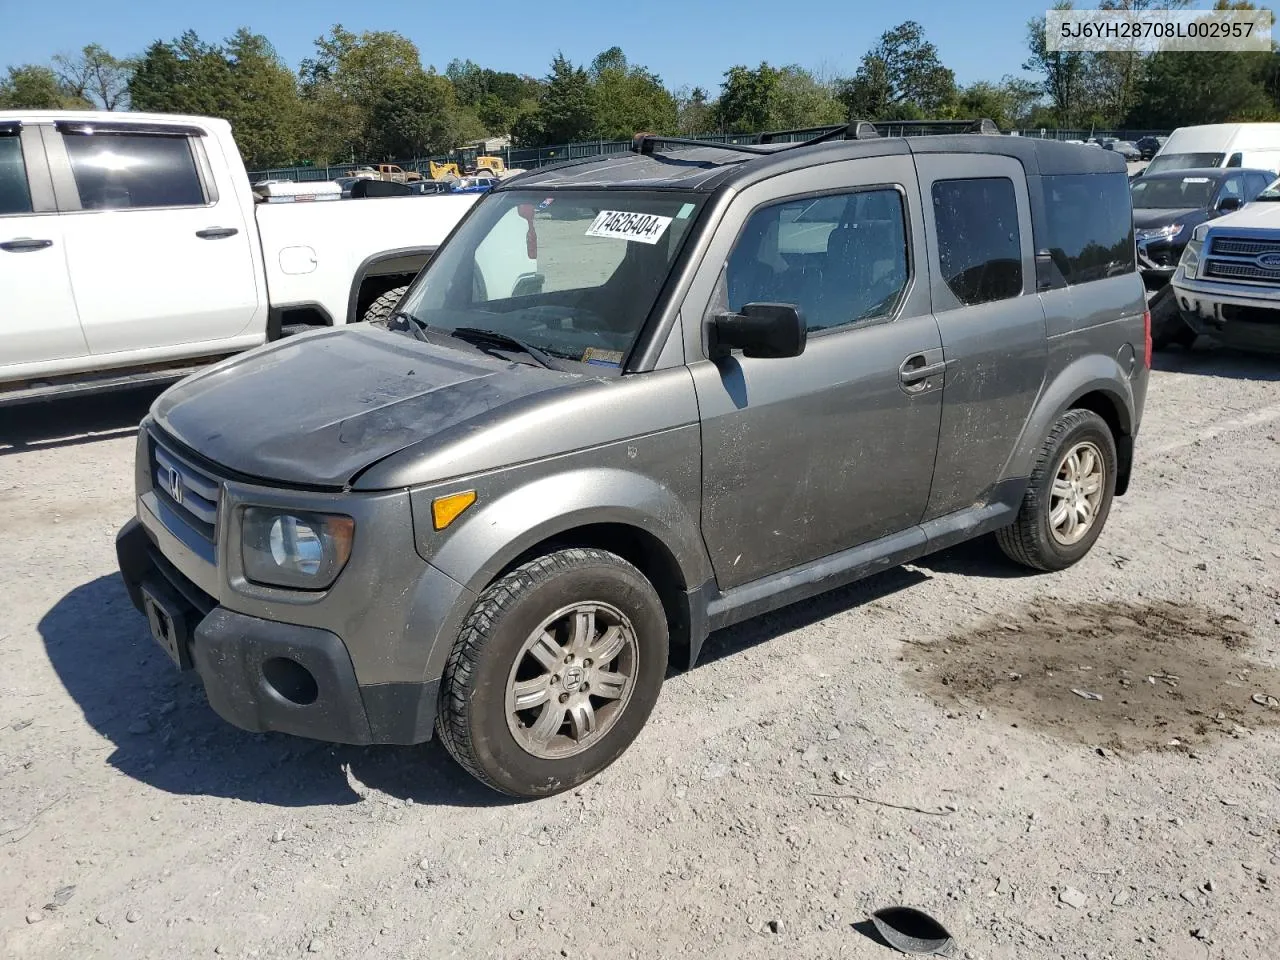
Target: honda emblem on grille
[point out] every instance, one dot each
(173, 483)
(1269, 261)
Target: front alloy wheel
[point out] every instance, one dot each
(554, 672)
(572, 680)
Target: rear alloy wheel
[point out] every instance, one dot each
(1068, 495)
(554, 672)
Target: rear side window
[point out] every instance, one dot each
(1088, 228)
(979, 248)
(128, 171)
(14, 195)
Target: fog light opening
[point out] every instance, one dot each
(291, 680)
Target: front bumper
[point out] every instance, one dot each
(1236, 314)
(262, 675)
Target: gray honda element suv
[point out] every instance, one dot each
(632, 400)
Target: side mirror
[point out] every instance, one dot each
(761, 330)
(1227, 204)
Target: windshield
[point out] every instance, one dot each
(1271, 194)
(1184, 161)
(572, 273)
(1173, 193)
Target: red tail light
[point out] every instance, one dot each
(1146, 322)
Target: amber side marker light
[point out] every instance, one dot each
(445, 510)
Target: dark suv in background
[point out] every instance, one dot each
(1169, 205)
(720, 379)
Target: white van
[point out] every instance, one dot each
(1254, 145)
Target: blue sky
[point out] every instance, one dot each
(685, 43)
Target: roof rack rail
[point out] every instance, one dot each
(980, 125)
(646, 143)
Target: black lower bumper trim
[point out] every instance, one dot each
(261, 675)
(230, 651)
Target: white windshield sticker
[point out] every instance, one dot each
(1195, 179)
(622, 225)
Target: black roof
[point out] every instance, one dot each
(705, 168)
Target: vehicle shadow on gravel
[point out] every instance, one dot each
(166, 735)
(1213, 361)
(74, 420)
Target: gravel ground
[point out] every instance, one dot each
(912, 739)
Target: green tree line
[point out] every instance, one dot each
(368, 96)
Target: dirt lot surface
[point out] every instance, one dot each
(1079, 765)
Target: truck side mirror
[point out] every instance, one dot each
(761, 330)
(1227, 204)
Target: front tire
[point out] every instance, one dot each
(1068, 497)
(554, 672)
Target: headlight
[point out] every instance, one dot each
(1190, 261)
(305, 551)
(1159, 233)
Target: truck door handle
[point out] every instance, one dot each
(217, 233)
(25, 245)
(916, 371)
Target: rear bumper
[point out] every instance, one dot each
(261, 675)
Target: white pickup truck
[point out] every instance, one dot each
(1227, 285)
(132, 249)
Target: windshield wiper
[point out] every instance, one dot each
(480, 338)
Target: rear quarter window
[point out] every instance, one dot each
(1088, 226)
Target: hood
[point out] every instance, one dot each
(1259, 214)
(1147, 218)
(317, 409)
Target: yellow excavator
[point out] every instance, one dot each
(443, 171)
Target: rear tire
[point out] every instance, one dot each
(1067, 500)
(554, 672)
(380, 310)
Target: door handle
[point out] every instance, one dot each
(916, 370)
(217, 233)
(25, 245)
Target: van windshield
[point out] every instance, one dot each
(574, 274)
(1184, 161)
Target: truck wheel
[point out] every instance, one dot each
(380, 310)
(554, 673)
(1068, 497)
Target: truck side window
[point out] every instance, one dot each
(1088, 228)
(840, 258)
(14, 195)
(127, 171)
(979, 248)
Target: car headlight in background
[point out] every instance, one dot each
(287, 548)
(1190, 261)
(1159, 233)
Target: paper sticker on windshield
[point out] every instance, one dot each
(602, 358)
(1195, 179)
(622, 225)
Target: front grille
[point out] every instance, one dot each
(1236, 270)
(1236, 258)
(1242, 247)
(188, 491)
